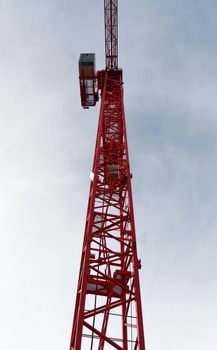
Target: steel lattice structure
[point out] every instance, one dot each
(108, 311)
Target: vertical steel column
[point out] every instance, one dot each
(111, 33)
(109, 262)
(108, 310)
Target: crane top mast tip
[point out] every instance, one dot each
(91, 81)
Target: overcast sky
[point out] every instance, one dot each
(168, 50)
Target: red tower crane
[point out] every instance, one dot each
(108, 310)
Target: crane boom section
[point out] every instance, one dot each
(111, 34)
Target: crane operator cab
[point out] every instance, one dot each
(88, 80)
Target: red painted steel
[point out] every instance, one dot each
(108, 310)
(111, 33)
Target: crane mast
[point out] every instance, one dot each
(108, 308)
(111, 33)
